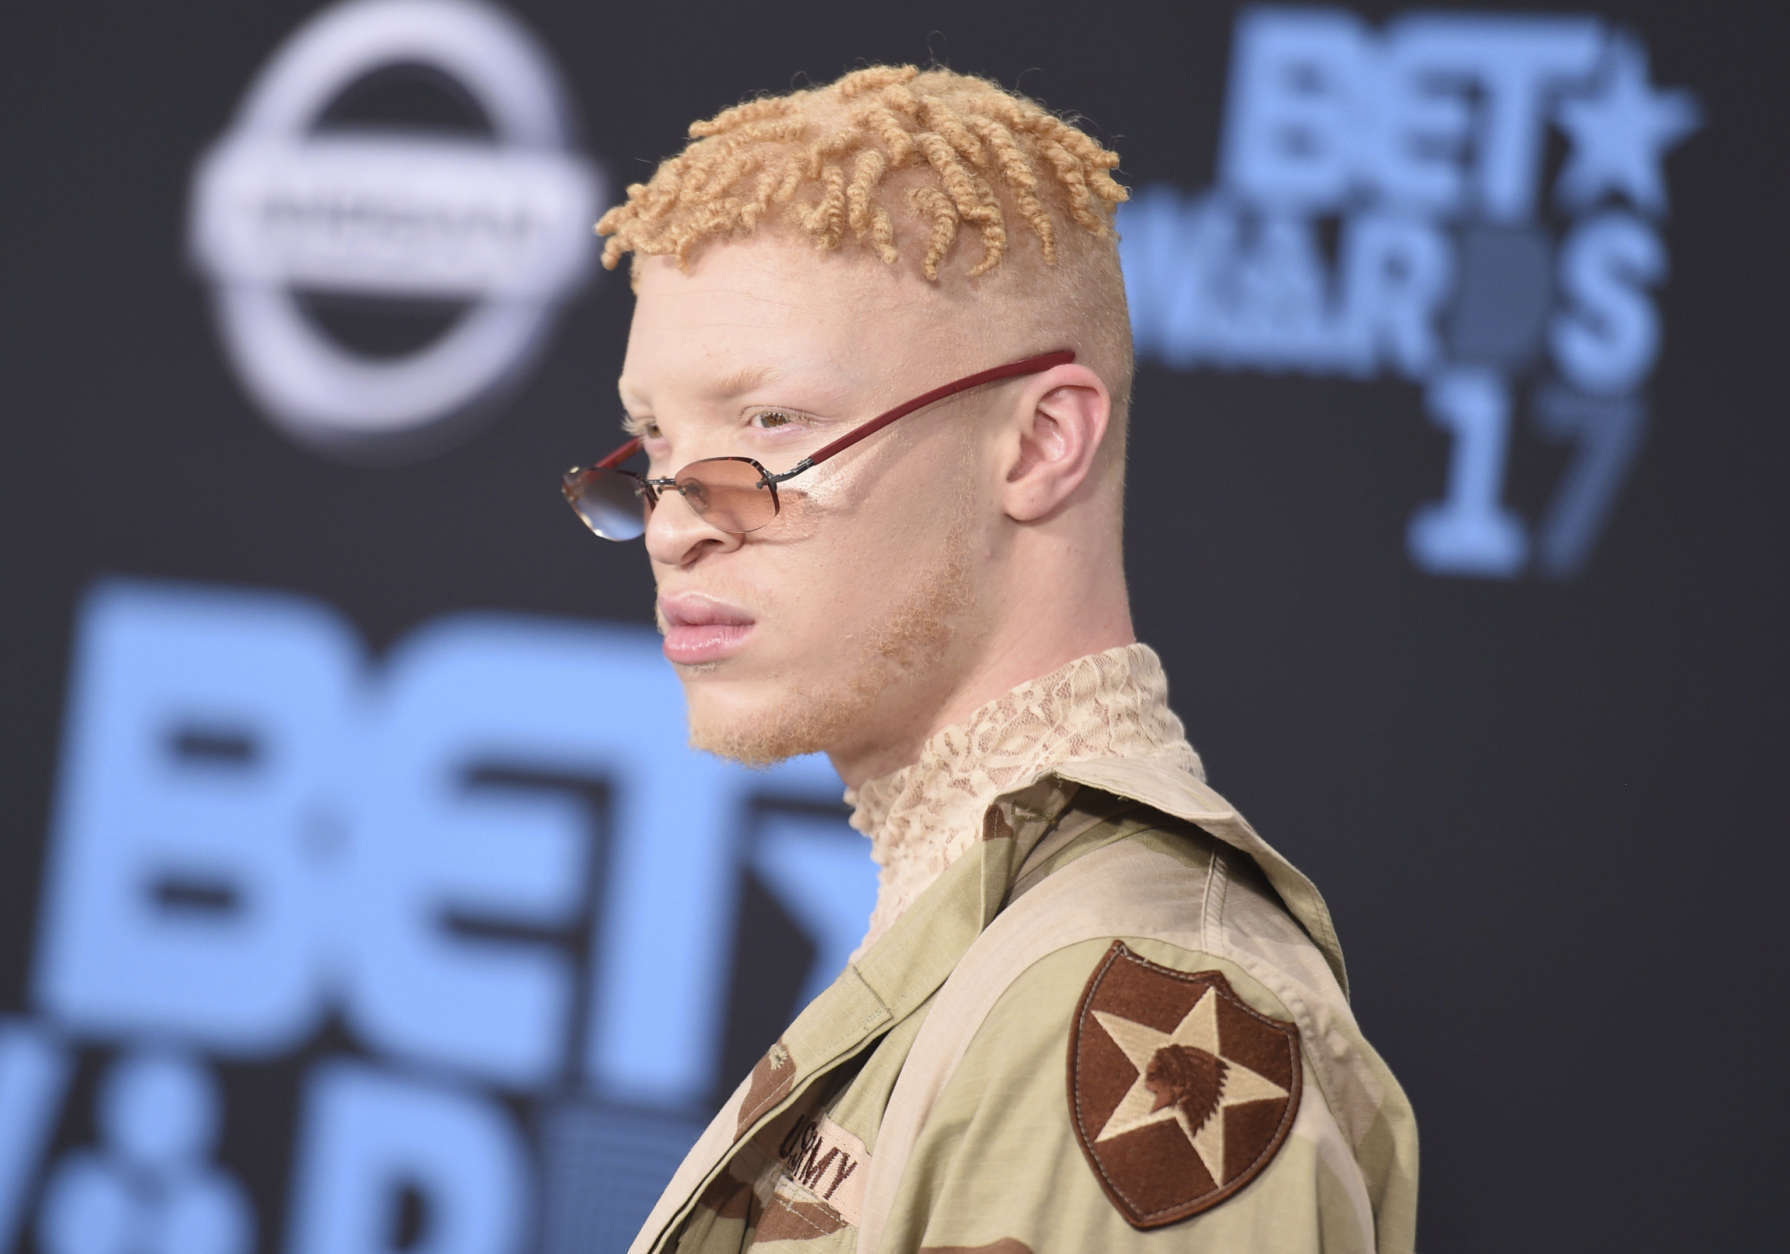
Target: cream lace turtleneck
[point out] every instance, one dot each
(922, 817)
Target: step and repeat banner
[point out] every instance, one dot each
(359, 894)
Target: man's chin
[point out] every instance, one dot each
(749, 741)
(758, 733)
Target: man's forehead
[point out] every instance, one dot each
(741, 317)
(763, 311)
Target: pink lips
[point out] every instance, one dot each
(699, 628)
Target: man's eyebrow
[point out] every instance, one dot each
(744, 380)
(729, 385)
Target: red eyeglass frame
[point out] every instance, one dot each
(1012, 369)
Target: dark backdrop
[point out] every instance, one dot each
(339, 910)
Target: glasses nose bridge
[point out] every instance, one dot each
(673, 535)
(678, 485)
(695, 493)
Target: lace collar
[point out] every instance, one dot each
(921, 817)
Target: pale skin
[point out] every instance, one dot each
(916, 576)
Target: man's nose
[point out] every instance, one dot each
(677, 535)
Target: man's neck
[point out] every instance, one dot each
(1027, 649)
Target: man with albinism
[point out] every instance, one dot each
(878, 384)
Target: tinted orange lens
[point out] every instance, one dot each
(729, 492)
(609, 502)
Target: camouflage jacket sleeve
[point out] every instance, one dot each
(1148, 1096)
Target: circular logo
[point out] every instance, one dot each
(501, 225)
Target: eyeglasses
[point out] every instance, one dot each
(736, 494)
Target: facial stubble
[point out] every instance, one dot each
(816, 717)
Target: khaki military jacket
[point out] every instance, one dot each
(1118, 1022)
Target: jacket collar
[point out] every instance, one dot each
(979, 792)
(926, 815)
(907, 964)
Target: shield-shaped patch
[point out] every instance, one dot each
(1180, 1093)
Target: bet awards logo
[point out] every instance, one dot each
(398, 923)
(1386, 207)
(498, 229)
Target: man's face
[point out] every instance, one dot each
(847, 621)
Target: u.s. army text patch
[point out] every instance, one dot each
(827, 1160)
(1179, 1092)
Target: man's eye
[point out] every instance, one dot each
(775, 419)
(640, 428)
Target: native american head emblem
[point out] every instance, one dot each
(1179, 1091)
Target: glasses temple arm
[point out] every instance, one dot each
(620, 455)
(1030, 365)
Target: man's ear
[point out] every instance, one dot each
(1048, 449)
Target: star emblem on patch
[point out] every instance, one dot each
(1180, 1092)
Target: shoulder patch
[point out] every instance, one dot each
(1179, 1091)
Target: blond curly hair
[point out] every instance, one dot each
(896, 161)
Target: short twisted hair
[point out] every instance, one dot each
(895, 160)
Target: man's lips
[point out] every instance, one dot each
(701, 628)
